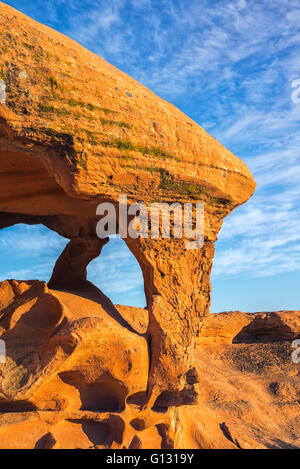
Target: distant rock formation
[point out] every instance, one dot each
(235, 327)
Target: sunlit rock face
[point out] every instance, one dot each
(76, 374)
(75, 132)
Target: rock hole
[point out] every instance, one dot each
(47, 441)
(105, 395)
(137, 399)
(135, 443)
(138, 424)
(29, 252)
(174, 399)
(166, 440)
(118, 274)
(117, 428)
(97, 432)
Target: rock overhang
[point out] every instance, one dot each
(98, 132)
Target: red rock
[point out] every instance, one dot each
(81, 372)
(75, 131)
(75, 378)
(235, 327)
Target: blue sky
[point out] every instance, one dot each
(229, 65)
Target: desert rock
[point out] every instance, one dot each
(75, 377)
(74, 132)
(80, 371)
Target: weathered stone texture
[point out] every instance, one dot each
(74, 132)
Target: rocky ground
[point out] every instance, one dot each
(76, 375)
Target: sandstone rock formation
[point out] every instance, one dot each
(74, 132)
(235, 327)
(75, 377)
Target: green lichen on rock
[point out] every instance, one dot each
(191, 189)
(145, 150)
(48, 108)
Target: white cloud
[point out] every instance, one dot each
(26, 240)
(116, 270)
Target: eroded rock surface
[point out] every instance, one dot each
(75, 377)
(74, 132)
(238, 327)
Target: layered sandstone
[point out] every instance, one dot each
(74, 132)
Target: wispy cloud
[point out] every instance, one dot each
(116, 270)
(26, 240)
(29, 252)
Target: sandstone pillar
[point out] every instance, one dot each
(177, 289)
(70, 271)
